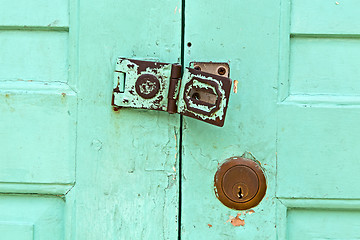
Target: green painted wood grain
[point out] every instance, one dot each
(34, 13)
(246, 34)
(34, 55)
(295, 111)
(126, 181)
(126, 184)
(326, 17)
(324, 66)
(27, 217)
(317, 120)
(322, 224)
(72, 168)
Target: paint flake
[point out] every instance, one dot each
(236, 221)
(235, 85)
(250, 212)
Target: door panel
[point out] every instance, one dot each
(25, 53)
(38, 122)
(126, 183)
(320, 224)
(38, 105)
(318, 114)
(35, 13)
(25, 217)
(245, 34)
(311, 61)
(296, 111)
(324, 17)
(111, 174)
(38, 102)
(320, 218)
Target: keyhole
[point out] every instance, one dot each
(240, 194)
(196, 96)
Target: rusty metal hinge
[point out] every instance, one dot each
(159, 86)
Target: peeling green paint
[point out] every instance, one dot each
(129, 98)
(185, 93)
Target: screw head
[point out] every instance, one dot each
(197, 67)
(221, 70)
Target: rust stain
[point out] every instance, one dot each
(236, 221)
(209, 225)
(63, 94)
(250, 212)
(116, 109)
(175, 150)
(235, 85)
(7, 95)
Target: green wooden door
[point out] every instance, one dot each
(296, 112)
(72, 168)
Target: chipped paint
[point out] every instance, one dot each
(200, 85)
(249, 212)
(236, 221)
(157, 86)
(177, 90)
(132, 70)
(250, 155)
(235, 86)
(176, 151)
(197, 82)
(185, 92)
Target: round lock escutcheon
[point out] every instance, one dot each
(240, 183)
(147, 86)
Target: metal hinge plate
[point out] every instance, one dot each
(159, 86)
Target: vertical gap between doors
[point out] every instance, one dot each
(181, 118)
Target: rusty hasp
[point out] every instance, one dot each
(158, 86)
(204, 96)
(216, 68)
(146, 84)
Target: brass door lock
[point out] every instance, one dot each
(240, 183)
(162, 86)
